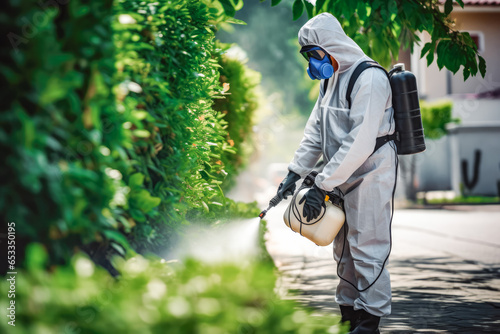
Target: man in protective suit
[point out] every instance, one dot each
(346, 137)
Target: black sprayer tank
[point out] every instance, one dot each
(406, 111)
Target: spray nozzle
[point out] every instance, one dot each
(272, 203)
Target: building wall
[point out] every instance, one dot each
(405, 58)
(465, 141)
(471, 111)
(434, 83)
(488, 25)
(433, 165)
(440, 167)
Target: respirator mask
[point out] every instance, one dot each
(320, 66)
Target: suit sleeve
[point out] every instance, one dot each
(309, 151)
(370, 97)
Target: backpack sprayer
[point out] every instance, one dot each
(409, 135)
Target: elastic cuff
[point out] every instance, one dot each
(295, 175)
(302, 172)
(319, 187)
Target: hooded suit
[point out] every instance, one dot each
(346, 138)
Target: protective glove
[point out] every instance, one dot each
(287, 186)
(314, 200)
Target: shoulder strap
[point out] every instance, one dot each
(357, 72)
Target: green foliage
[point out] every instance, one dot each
(238, 107)
(381, 27)
(435, 116)
(165, 52)
(229, 7)
(152, 296)
(61, 134)
(462, 200)
(298, 9)
(108, 133)
(169, 52)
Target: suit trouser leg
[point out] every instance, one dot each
(346, 294)
(362, 248)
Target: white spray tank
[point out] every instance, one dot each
(322, 230)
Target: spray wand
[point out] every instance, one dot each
(272, 203)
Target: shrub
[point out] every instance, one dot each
(154, 297)
(435, 116)
(108, 132)
(238, 107)
(181, 145)
(60, 133)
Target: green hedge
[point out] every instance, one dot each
(153, 297)
(238, 107)
(182, 146)
(60, 131)
(108, 133)
(435, 116)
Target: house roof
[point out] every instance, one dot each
(481, 2)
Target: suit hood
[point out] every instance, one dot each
(324, 30)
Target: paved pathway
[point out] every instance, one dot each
(445, 269)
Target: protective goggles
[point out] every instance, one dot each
(312, 51)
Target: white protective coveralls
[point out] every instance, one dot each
(346, 139)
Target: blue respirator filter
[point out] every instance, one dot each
(320, 69)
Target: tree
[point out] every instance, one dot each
(382, 27)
